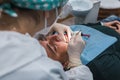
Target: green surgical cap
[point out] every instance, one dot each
(39, 4)
(44, 5)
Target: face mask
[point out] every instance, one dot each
(65, 11)
(47, 15)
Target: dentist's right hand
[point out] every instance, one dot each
(75, 48)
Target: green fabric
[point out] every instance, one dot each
(6, 8)
(44, 5)
(39, 4)
(106, 66)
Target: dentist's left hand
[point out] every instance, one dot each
(62, 30)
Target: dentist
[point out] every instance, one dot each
(21, 56)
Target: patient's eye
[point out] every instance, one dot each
(54, 32)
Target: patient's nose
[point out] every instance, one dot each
(54, 39)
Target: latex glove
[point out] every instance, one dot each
(75, 48)
(62, 30)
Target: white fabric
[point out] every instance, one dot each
(22, 58)
(66, 10)
(110, 4)
(80, 73)
(81, 7)
(95, 1)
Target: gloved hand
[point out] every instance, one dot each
(62, 30)
(75, 48)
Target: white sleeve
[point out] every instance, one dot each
(23, 58)
(102, 23)
(81, 72)
(41, 69)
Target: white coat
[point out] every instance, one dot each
(22, 58)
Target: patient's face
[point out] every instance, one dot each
(56, 48)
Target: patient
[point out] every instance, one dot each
(106, 65)
(69, 57)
